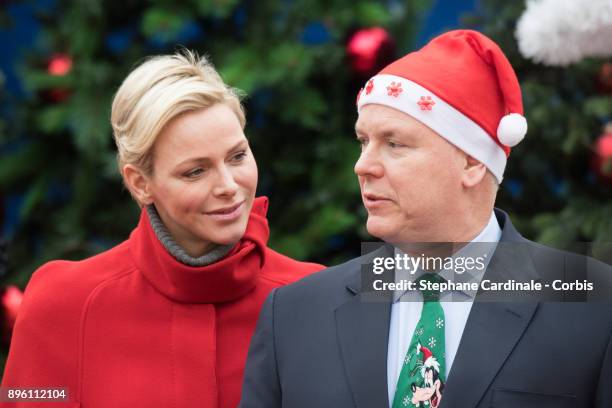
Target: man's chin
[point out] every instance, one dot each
(388, 232)
(380, 228)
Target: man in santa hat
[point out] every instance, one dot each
(436, 128)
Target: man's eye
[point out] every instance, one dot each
(362, 141)
(393, 145)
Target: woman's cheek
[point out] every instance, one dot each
(249, 175)
(193, 198)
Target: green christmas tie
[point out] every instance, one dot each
(423, 374)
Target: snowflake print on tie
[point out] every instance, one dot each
(423, 375)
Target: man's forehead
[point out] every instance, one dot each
(380, 116)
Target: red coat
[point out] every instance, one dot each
(133, 327)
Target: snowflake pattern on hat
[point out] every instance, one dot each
(426, 103)
(369, 87)
(394, 89)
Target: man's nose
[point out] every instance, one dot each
(369, 163)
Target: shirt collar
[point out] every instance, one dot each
(483, 245)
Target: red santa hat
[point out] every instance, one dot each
(462, 86)
(426, 353)
(429, 361)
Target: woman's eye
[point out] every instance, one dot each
(362, 141)
(393, 145)
(239, 157)
(194, 172)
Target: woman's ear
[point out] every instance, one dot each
(138, 184)
(473, 172)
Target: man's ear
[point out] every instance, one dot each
(138, 184)
(473, 172)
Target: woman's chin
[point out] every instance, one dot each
(229, 237)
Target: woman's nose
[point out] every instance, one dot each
(226, 184)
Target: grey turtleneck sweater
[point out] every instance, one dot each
(176, 250)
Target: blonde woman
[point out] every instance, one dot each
(164, 319)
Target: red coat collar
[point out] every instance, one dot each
(227, 279)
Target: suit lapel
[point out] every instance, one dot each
(491, 332)
(362, 329)
(494, 327)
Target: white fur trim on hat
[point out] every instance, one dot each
(405, 95)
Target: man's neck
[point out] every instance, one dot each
(458, 238)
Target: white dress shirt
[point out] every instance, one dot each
(407, 306)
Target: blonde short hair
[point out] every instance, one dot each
(156, 92)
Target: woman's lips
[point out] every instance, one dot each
(228, 213)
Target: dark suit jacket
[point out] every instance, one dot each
(320, 343)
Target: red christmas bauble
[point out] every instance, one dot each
(602, 157)
(59, 64)
(55, 95)
(369, 50)
(604, 78)
(10, 301)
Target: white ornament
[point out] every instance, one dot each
(439, 323)
(432, 342)
(561, 32)
(512, 129)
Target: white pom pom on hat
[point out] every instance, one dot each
(512, 129)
